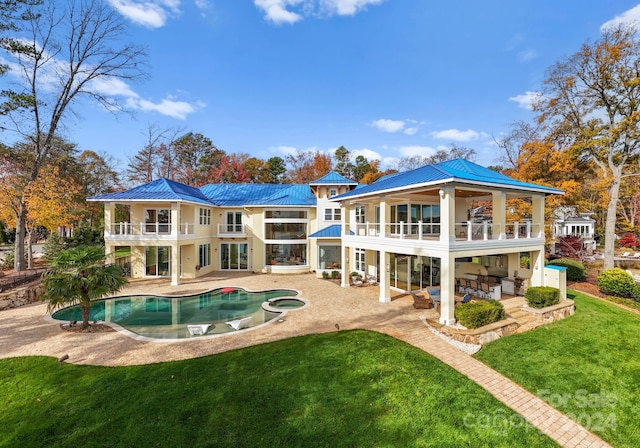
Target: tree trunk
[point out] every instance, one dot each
(18, 263)
(29, 248)
(610, 222)
(84, 309)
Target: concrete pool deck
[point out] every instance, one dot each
(25, 332)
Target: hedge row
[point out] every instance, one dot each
(542, 296)
(477, 314)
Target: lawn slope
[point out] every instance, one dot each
(352, 388)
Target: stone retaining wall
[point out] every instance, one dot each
(21, 296)
(478, 336)
(504, 327)
(552, 313)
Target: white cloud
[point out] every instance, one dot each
(459, 136)
(416, 150)
(292, 11)
(388, 125)
(168, 107)
(113, 87)
(202, 4)
(347, 7)
(150, 13)
(411, 131)
(526, 100)
(630, 17)
(369, 154)
(277, 12)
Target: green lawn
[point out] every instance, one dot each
(586, 366)
(352, 388)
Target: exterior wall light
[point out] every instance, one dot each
(441, 194)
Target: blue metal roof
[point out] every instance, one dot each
(333, 231)
(333, 178)
(451, 170)
(157, 190)
(239, 195)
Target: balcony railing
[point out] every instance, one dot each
(464, 231)
(150, 228)
(232, 229)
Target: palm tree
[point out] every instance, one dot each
(79, 276)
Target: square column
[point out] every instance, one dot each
(499, 214)
(447, 290)
(385, 277)
(175, 264)
(537, 216)
(447, 214)
(344, 282)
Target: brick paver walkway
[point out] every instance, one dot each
(24, 332)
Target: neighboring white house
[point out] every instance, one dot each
(568, 222)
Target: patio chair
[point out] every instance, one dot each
(626, 254)
(636, 255)
(465, 299)
(485, 291)
(239, 324)
(198, 329)
(434, 294)
(420, 302)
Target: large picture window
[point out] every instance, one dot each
(286, 254)
(329, 257)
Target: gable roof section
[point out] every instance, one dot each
(333, 231)
(157, 190)
(459, 170)
(240, 195)
(333, 178)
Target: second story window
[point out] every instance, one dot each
(157, 220)
(205, 216)
(360, 214)
(332, 214)
(333, 192)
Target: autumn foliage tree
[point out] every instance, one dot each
(590, 104)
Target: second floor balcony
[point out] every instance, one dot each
(137, 230)
(463, 231)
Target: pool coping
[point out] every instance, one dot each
(130, 334)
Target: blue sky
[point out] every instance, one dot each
(384, 78)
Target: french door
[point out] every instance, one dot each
(234, 256)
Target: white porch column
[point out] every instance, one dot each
(447, 214)
(175, 219)
(346, 262)
(537, 267)
(385, 277)
(447, 289)
(109, 217)
(537, 215)
(499, 215)
(385, 215)
(109, 251)
(175, 264)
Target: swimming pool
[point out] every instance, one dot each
(170, 317)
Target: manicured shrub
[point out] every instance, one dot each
(616, 282)
(335, 274)
(636, 293)
(325, 275)
(477, 314)
(541, 296)
(576, 272)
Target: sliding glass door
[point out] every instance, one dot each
(234, 256)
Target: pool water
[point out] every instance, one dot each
(168, 317)
(286, 304)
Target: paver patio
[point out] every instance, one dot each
(24, 332)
